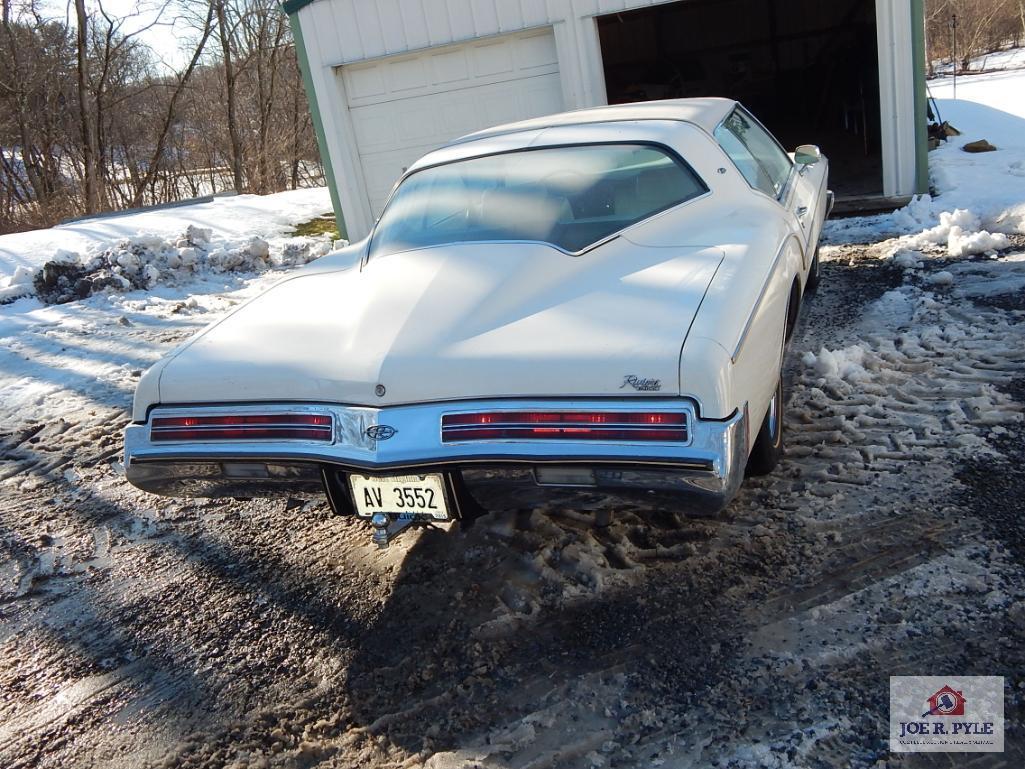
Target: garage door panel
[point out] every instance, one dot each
(405, 76)
(383, 170)
(542, 99)
(537, 51)
(471, 64)
(364, 82)
(405, 106)
(450, 67)
(493, 59)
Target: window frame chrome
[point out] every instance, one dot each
(671, 153)
(788, 186)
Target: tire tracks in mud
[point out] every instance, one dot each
(255, 632)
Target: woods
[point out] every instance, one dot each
(92, 119)
(969, 29)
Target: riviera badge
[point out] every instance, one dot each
(642, 385)
(381, 432)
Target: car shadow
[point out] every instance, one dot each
(487, 627)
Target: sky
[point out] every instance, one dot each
(166, 35)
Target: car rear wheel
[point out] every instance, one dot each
(768, 446)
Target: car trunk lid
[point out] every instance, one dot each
(456, 322)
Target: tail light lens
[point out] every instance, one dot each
(655, 426)
(243, 427)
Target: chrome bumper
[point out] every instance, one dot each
(704, 473)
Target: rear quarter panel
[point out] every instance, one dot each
(734, 350)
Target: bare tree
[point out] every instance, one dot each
(226, 34)
(91, 119)
(172, 110)
(981, 26)
(89, 148)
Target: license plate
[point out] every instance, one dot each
(419, 496)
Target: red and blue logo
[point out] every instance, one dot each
(946, 702)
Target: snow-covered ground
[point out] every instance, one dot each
(144, 631)
(165, 274)
(979, 196)
(175, 242)
(1008, 59)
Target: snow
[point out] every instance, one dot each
(155, 278)
(228, 220)
(980, 195)
(847, 364)
(887, 402)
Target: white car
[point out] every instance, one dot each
(597, 302)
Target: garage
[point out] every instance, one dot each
(389, 80)
(808, 69)
(405, 106)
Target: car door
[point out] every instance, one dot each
(810, 201)
(769, 169)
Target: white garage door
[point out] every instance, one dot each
(403, 106)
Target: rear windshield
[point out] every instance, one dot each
(571, 197)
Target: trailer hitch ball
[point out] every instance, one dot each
(380, 523)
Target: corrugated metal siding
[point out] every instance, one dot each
(356, 30)
(341, 32)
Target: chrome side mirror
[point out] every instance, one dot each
(807, 155)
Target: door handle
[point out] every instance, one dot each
(802, 211)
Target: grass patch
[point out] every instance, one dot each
(319, 226)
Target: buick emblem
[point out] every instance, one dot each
(381, 432)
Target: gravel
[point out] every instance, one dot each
(137, 631)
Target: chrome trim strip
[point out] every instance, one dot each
(787, 186)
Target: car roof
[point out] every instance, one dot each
(705, 113)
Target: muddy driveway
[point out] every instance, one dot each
(137, 631)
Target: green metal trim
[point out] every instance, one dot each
(318, 123)
(918, 62)
(292, 7)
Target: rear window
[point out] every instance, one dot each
(570, 197)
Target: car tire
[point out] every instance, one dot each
(768, 446)
(814, 274)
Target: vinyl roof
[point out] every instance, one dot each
(705, 113)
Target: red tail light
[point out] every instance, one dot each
(660, 426)
(243, 427)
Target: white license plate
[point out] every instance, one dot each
(422, 496)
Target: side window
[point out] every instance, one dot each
(755, 153)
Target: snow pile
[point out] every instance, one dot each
(959, 230)
(848, 364)
(233, 219)
(246, 234)
(145, 261)
(17, 285)
(979, 197)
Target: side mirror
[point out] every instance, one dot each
(807, 155)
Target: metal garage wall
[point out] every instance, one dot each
(339, 32)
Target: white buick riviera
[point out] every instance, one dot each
(594, 303)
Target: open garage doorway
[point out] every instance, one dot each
(807, 69)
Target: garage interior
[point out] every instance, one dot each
(807, 69)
